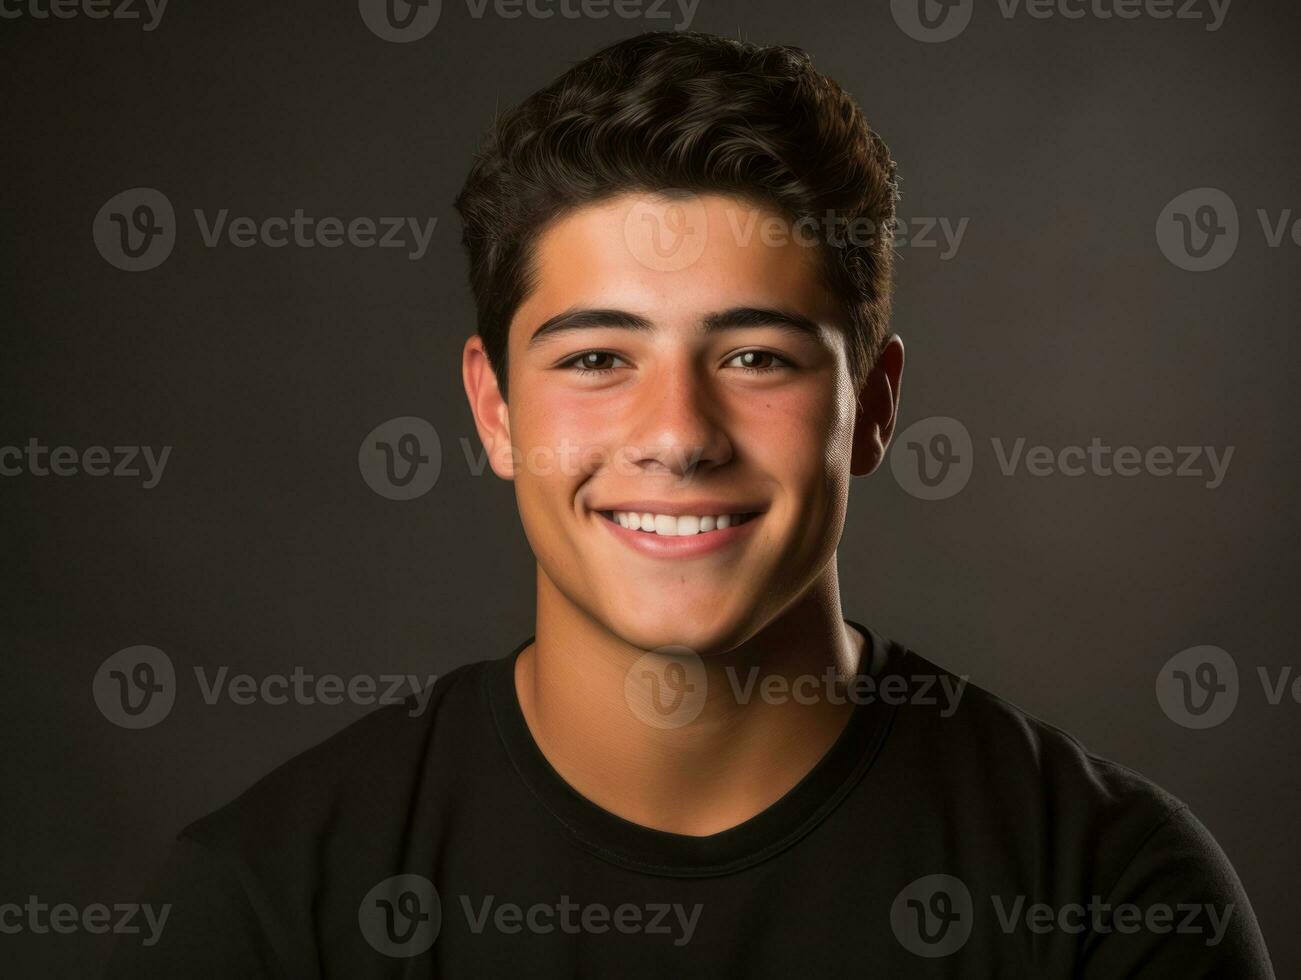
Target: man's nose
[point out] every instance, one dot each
(678, 428)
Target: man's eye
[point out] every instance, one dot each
(593, 362)
(758, 361)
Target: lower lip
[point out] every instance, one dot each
(679, 545)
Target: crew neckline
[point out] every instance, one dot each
(657, 852)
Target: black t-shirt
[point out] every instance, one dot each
(940, 836)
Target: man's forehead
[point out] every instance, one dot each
(585, 259)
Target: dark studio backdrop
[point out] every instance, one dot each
(1089, 508)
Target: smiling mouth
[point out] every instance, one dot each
(675, 525)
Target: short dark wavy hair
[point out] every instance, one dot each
(669, 111)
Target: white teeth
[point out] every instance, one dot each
(673, 525)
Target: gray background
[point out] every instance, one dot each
(262, 548)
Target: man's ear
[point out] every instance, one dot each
(878, 408)
(491, 416)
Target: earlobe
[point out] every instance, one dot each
(491, 417)
(877, 409)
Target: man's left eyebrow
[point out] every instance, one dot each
(582, 319)
(754, 316)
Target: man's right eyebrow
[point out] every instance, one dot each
(586, 319)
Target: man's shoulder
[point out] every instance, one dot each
(993, 747)
(373, 766)
(1021, 811)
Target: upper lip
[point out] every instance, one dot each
(678, 508)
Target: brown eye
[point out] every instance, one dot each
(593, 361)
(758, 360)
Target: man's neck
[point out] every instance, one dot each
(740, 754)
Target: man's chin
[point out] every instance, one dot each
(706, 634)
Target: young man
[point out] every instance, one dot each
(696, 766)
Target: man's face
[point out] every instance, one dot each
(699, 386)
